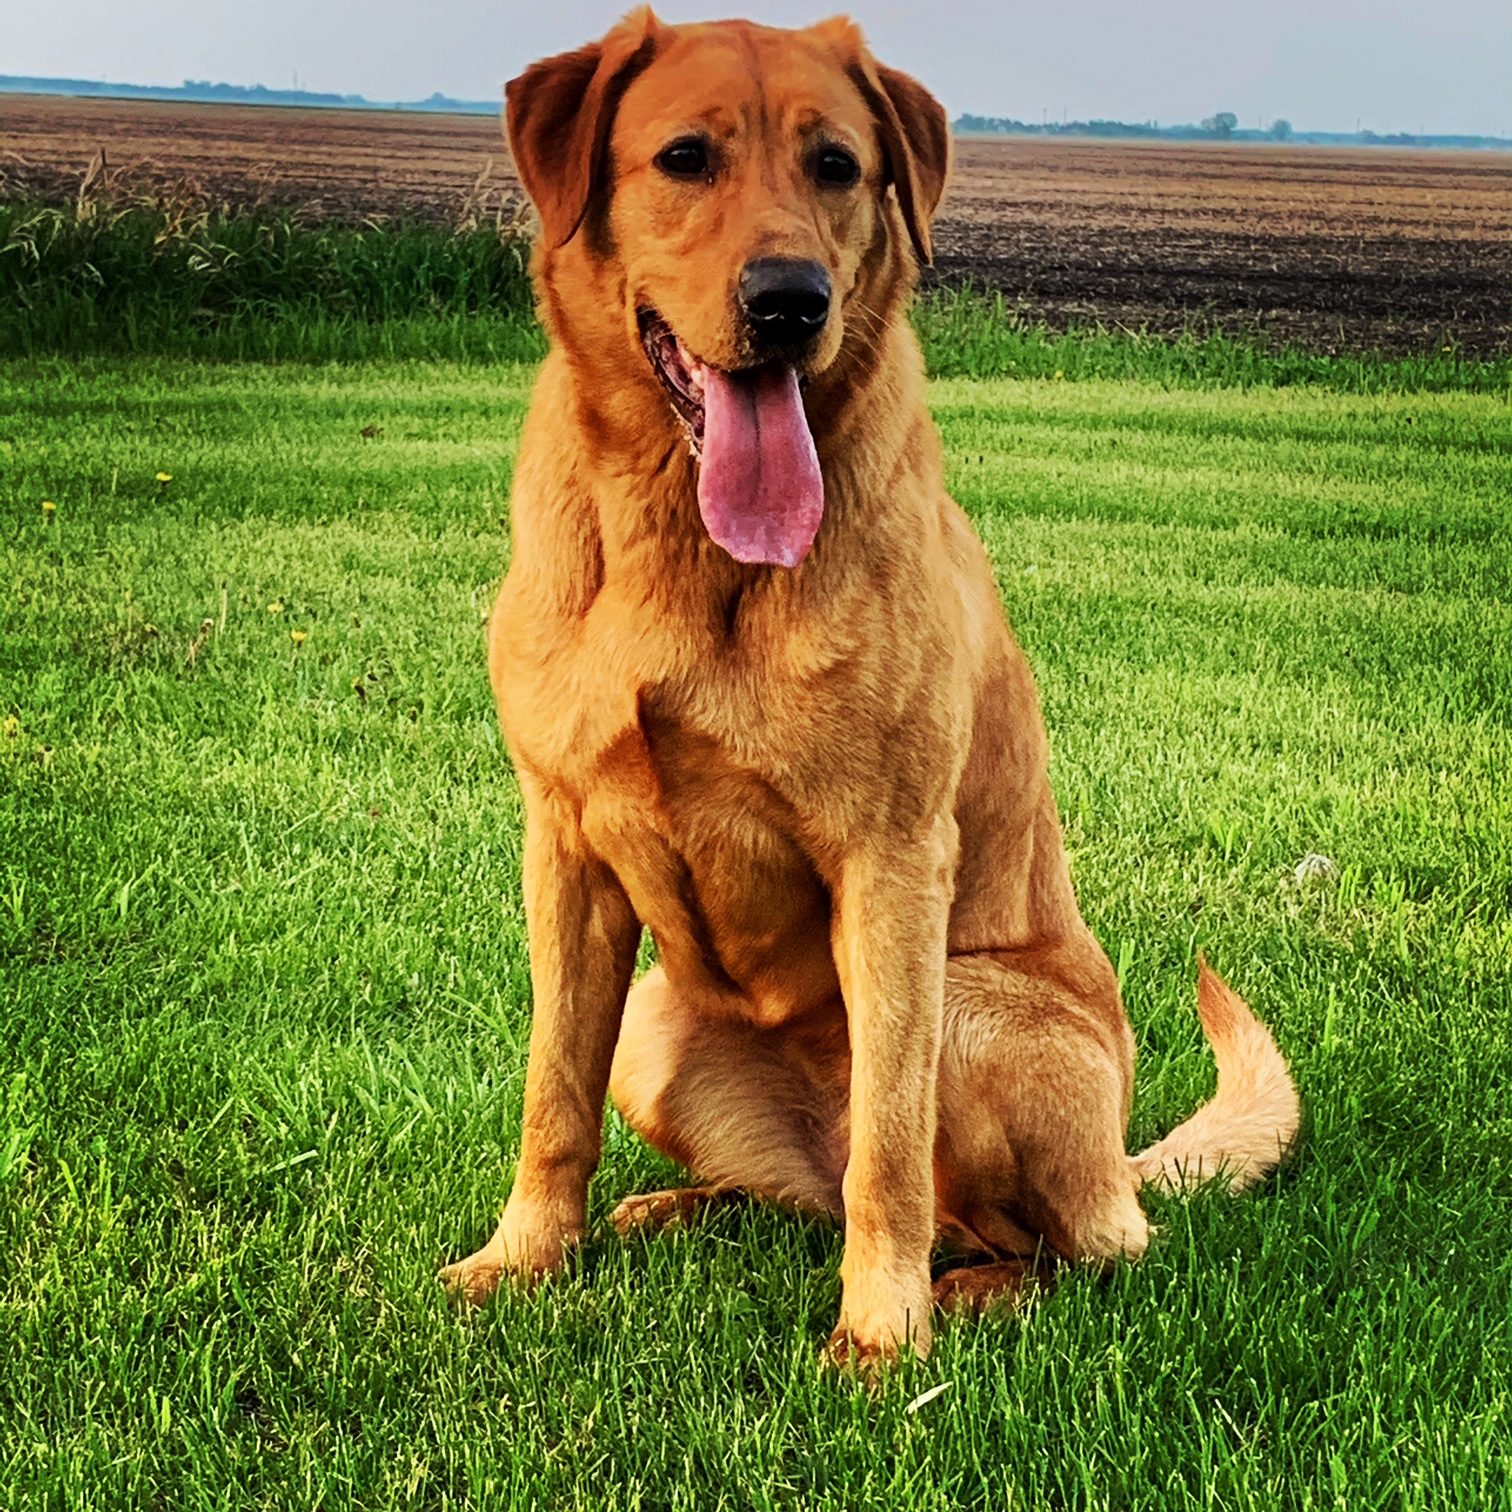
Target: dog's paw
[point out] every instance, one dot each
(885, 1310)
(525, 1248)
(475, 1279)
(654, 1211)
(847, 1355)
(866, 1346)
(973, 1289)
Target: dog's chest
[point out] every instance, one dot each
(697, 777)
(712, 858)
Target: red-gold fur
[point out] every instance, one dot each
(822, 788)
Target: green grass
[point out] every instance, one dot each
(176, 278)
(265, 995)
(968, 334)
(179, 278)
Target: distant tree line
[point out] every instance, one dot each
(1221, 126)
(204, 90)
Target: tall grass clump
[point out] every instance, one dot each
(152, 275)
(970, 334)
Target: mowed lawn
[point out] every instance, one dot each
(265, 998)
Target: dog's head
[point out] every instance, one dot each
(752, 196)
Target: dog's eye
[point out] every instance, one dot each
(836, 166)
(688, 157)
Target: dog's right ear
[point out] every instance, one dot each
(559, 112)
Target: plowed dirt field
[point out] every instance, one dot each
(1333, 249)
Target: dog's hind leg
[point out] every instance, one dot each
(1036, 1068)
(744, 1108)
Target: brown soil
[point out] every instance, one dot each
(351, 164)
(1334, 249)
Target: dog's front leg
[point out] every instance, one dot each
(583, 937)
(891, 916)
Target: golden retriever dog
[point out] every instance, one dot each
(757, 682)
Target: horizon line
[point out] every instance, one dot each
(205, 91)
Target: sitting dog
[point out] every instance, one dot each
(762, 698)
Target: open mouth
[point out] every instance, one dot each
(760, 490)
(681, 373)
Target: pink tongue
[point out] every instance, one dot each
(759, 487)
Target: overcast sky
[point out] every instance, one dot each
(1390, 65)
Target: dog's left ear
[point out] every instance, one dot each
(559, 113)
(914, 128)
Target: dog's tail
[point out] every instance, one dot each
(1243, 1133)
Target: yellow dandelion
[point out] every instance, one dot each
(276, 607)
(299, 637)
(163, 477)
(48, 507)
(11, 727)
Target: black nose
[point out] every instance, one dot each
(785, 299)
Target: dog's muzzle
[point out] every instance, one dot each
(785, 302)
